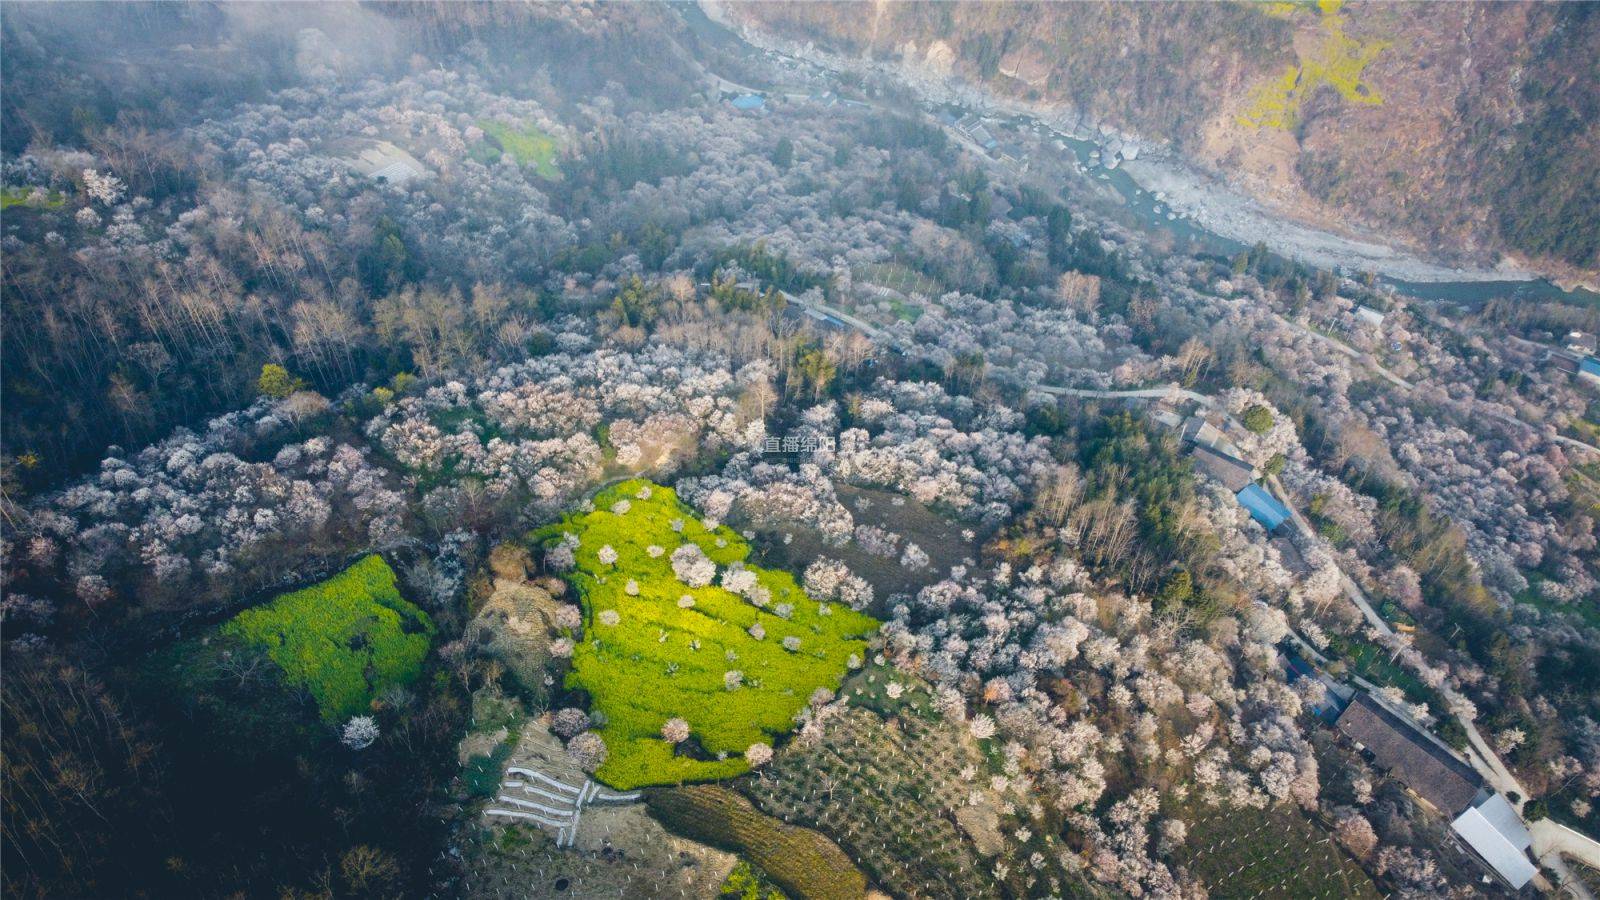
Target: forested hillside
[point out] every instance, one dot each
(1469, 129)
(157, 293)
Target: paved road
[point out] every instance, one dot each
(1551, 837)
(861, 325)
(1171, 392)
(1351, 589)
(1347, 350)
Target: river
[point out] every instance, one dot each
(1153, 215)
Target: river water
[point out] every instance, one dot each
(1151, 215)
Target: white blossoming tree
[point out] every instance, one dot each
(359, 732)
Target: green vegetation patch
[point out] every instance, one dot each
(1258, 419)
(529, 146)
(655, 648)
(18, 196)
(746, 882)
(801, 861)
(342, 640)
(483, 773)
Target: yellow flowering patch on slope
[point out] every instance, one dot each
(1337, 61)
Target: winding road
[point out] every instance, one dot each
(1372, 363)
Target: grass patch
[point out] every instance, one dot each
(1373, 663)
(661, 660)
(528, 146)
(876, 687)
(483, 773)
(18, 196)
(1584, 608)
(1275, 852)
(800, 861)
(746, 882)
(342, 640)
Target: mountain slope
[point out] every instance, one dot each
(1469, 131)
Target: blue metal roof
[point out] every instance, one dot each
(749, 101)
(1262, 506)
(1589, 365)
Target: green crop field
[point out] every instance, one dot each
(649, 655)
(528, 146)
(342, 640)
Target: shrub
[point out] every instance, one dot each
(277, 383)
(1258, 419)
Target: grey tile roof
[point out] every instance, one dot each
(1426, 768)
(1235, 474)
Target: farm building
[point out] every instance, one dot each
(1262, 506)
(749, 102)
(1235, 474)
(1369, 316)
(1585, 367)
(1429, 770)
(1336, 696)
(1496, 833)
(1165, 414)
(383, 161)
(1201, 431)
(825, 320)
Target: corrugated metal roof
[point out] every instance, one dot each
(1493, 829)
(1263, 507)
(1497, 809)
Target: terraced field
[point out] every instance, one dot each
(890, 797)
(799, 860)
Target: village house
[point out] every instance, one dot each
(1366, 315)
(1483, 819)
